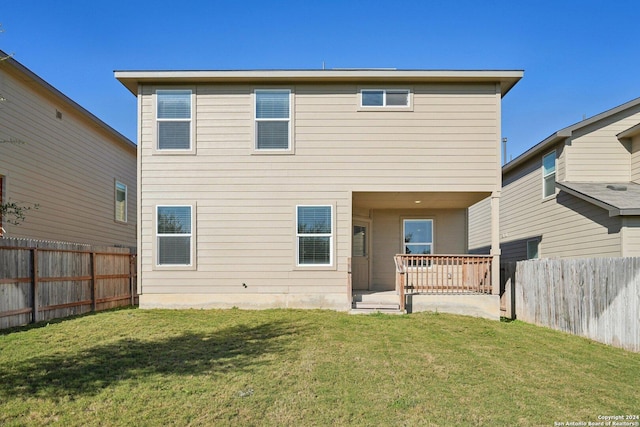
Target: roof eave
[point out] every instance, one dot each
(627, 212)
(568, 131)
(34, 81)
(629, 133)
(538, 148)
(506, 78)
(612, 210)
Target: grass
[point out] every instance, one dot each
(289, 367)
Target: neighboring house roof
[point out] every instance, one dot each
(629, 133)
(32, 80)
(622, 198)
(568, 131)
(506, 78)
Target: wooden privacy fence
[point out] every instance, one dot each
(597, 298)
(47, 280)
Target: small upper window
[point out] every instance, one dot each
(385, 98)
(549, 174)
(173, 116)
(121, 202)
(273, 113)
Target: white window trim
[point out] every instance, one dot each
(384, 107)
(331, 235)
(126, 202)
(290, 149)
(555, 168)
(192, 131)
(192, 235)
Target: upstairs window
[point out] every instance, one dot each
(385, 98)
(315, 235)
(173, 116)
(549, 175)
(273, 119)
(121, 202)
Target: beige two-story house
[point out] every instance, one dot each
(316, 189)
(575, 194)
(75, 172)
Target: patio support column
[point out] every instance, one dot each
(495, 242)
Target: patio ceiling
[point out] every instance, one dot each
(416, 200)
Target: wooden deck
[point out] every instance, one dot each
(442, 274)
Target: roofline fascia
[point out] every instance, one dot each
(629, 133)
(628, 212)
(566, 133)
(538, 148)
(132, 78)
(64, 99)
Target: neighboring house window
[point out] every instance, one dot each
(273, 119)
(384, 98)
(314, 233)
(549, 174)
(173, 115)
(532, 249)
(121, 202)
(174, 234)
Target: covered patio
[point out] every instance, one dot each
(409, 253)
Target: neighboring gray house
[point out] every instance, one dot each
(316, 188)
(575, 194)
(78, 170)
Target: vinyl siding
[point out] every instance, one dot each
(567, 226)
(67, 167)
(596, 155)
(635, 159)
(631, 237)
(449, 232)
(480, 226)
(246, 201)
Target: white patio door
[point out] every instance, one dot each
(360, 255)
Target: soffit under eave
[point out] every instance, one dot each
(629, 133)
(131, 80)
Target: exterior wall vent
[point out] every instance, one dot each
(615, 187)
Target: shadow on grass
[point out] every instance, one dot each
(45, 323)
(88, 371)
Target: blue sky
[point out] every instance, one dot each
(580, 57)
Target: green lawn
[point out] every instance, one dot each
(294, 367)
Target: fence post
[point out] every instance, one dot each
(92, 259)
(131, 284)
(34, 285)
